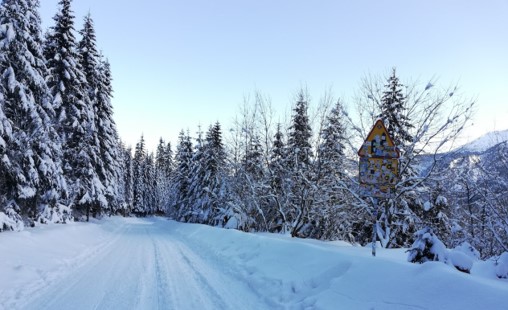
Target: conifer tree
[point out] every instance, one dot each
(168, 158)
(299, 146)
(126, 180)
(74, 114)
(398, 214)
(107, 134)
(329, 216)
(197, 211)
(31, 161)
(299, 154)
(215, 181)
(99, 90)
(181, 181)
(139, 187)
(151, 203)
(394, 112)
(331, 151)
(278, 185)
(162, 176)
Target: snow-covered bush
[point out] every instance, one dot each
(463, 256)
(502, 266)
(55, 214)
(460, 260)
(426, 247)
(10, 219)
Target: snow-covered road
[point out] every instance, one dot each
(146, 266)
(155, 263)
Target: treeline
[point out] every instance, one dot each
(59, 147)
(61, 158)
(301, 177)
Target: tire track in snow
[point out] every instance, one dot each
(147, 267)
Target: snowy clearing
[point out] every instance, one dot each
(154, 263)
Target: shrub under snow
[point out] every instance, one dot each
(460, 260)
(55, 214)
(463, 257)
(427, 247)
(502, 266)
(10, 219)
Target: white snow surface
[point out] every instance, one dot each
(155, 263)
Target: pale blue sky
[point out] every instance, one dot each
(177, 64)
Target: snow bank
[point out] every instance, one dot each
(285, 272)
(303, 274)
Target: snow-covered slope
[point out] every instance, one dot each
(159, 264)
(485, 142)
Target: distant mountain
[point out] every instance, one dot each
(486, 148)
(484, 142)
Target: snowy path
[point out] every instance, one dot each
(154, 263)
(143, 266)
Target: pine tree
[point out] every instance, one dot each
(99, 90)
(197, 211)
(398, 216)
(181, 181)
(152, 205)
(215, 181)
(278, 185)
(125, 184)
(107, 134)
(162, 177)
(331, 154)
(140, 204)
(74, 115)
(394, 112)
(299, 154)
(168, 158)
(300, 132)
(31, 150)
(329, 217)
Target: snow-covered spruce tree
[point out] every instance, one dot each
(180, 180)
(218, 193)
(331, 217)
(99, 90)
(109, 141)
(399, 214)
(427, 247)
(74, 115)
(437, 116)
(168, 160)
(125, 184)
(31, 151)
(299, 155)
(139, 201)
(195, 211)
(163, 168)
(149, 179)
(278, 185)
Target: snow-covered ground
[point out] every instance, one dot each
(154, 263)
